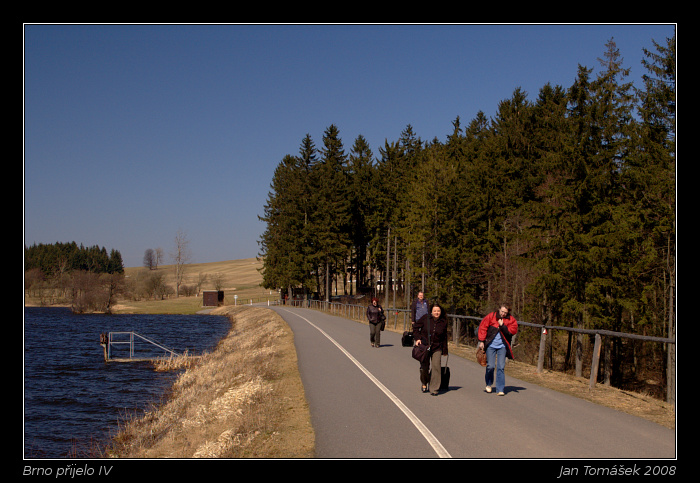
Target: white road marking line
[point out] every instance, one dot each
(430, 438)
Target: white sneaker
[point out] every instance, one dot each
(488, 389)
(501, 393)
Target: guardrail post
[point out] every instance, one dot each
(543, 345)
(595, 362)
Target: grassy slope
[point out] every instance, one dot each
(244, 399)
(240, 277)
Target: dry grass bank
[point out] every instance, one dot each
(243, 400)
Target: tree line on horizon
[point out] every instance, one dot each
(563, 207)
(87, 277)
(55, 258)
(91, 280)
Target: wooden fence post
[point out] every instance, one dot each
(540, 357)
(595, 362)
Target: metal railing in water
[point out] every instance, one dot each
(109, 340)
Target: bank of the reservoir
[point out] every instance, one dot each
(244, 399)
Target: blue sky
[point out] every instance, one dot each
(135, 132)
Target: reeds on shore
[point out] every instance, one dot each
(174, 363)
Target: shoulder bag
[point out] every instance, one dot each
(420, 352)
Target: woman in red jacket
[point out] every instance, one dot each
(496, 331)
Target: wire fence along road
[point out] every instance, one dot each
(367, 403)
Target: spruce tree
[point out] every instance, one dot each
(332, 214)
(613, 124)
(550, 207)
(650, 191)
(284, 265)
(363, 196)
(649, 179)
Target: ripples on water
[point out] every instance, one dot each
(73, 399)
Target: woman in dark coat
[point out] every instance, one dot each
(431, 329)
(375, 317)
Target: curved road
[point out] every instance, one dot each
(366, 403)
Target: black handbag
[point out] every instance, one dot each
(407, 339)
(420, 352)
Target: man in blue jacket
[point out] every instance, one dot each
(419, 307)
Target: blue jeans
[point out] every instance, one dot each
(491, 356)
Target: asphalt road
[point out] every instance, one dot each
(367, 403)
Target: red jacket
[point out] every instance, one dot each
(489, 327)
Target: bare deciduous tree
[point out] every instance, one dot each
(149, 259)
(181, 256)
(218, 281)
(159, 256)
(203, 277)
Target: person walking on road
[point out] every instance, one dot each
(419, 307)
(375, 317)
(431, 329)
(496, 331)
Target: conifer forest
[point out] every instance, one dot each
(561, 205)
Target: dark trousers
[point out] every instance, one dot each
(375, 331)
(430, 371)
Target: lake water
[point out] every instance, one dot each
(73, 399)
